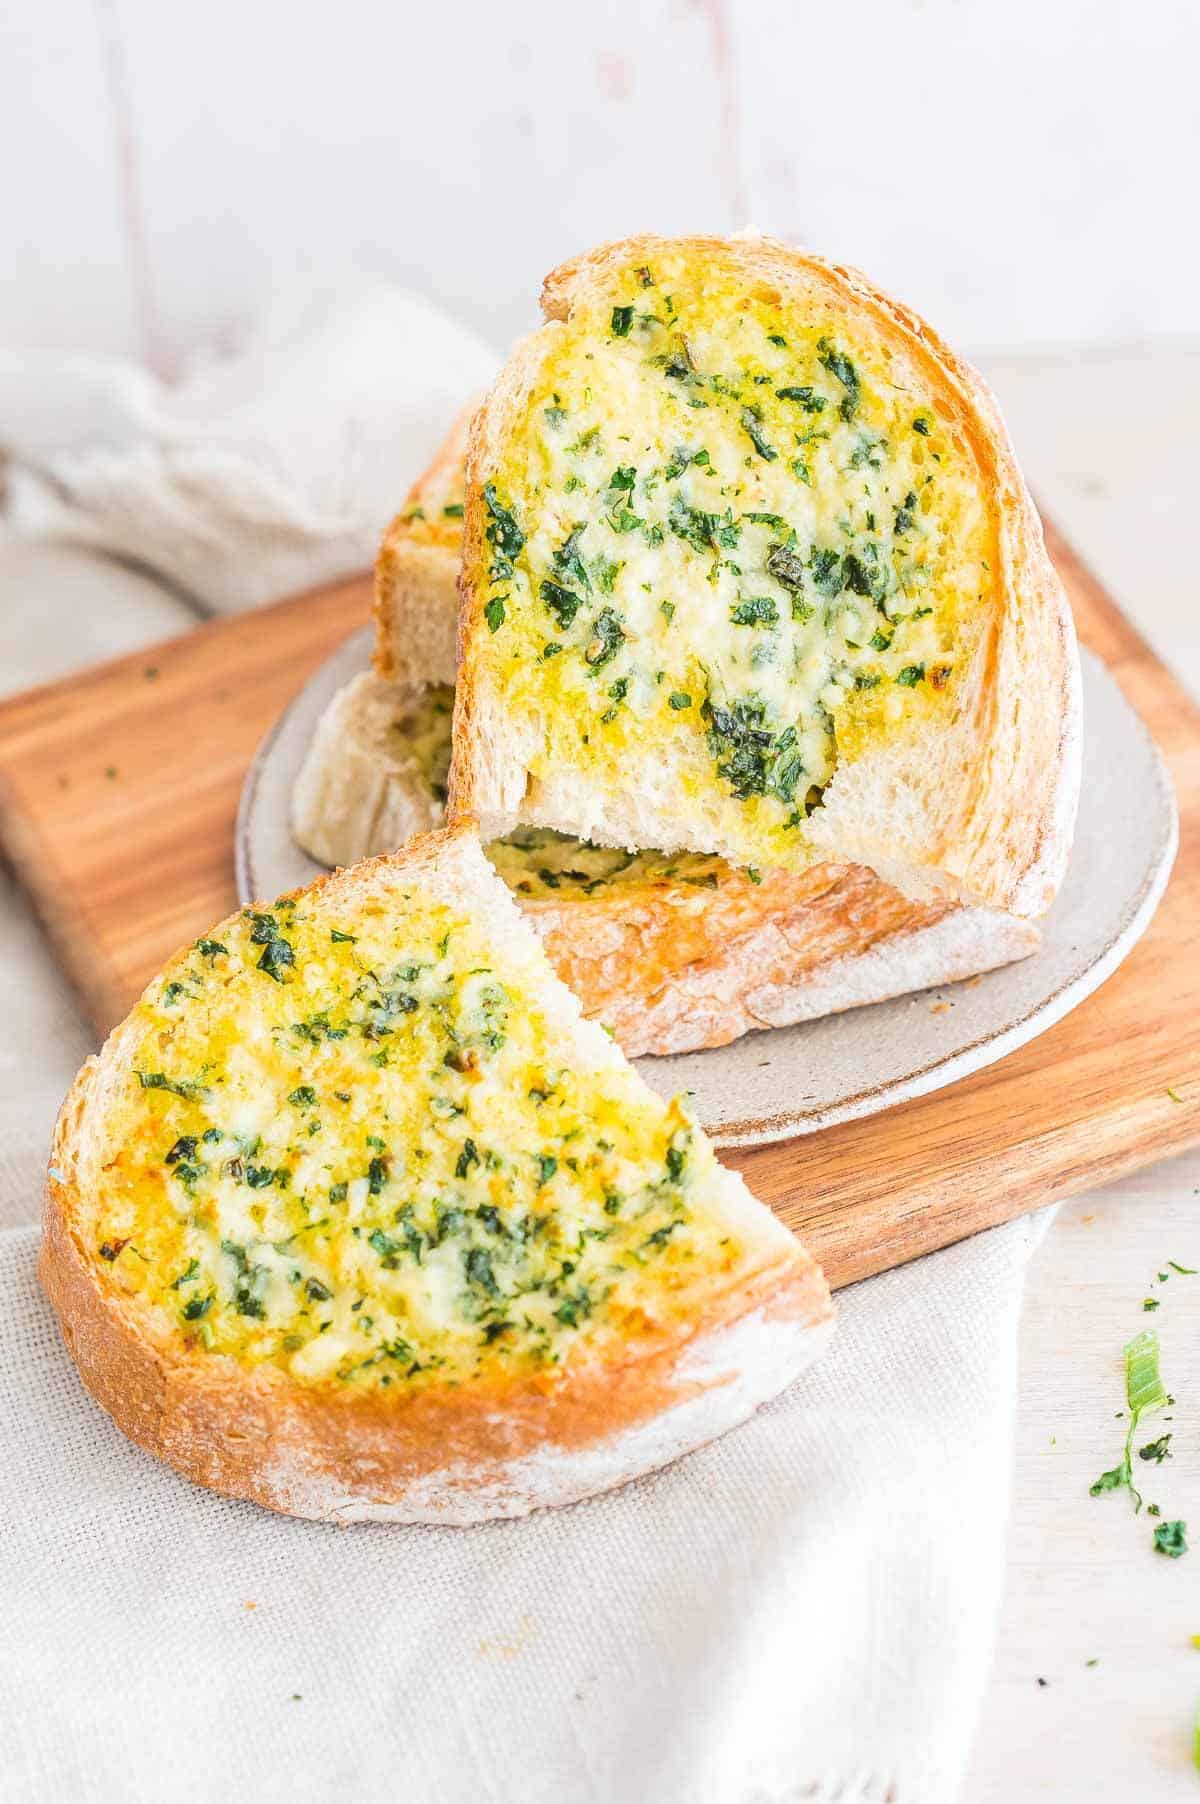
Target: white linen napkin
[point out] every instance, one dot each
(802, 1611)
(258, 474)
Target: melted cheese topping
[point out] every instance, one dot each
(733, 524)
(356, 1148)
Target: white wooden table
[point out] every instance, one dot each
(1110, 444)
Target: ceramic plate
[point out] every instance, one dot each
(793, 1080)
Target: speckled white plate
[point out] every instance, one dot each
(793, 1080)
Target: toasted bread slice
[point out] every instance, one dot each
(357, 1217)
(749, 568)
(376, 771)
(672, 952)
(416, 572)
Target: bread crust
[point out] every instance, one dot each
(670, 968)
(983, 810)
(476, 1450)
(416, 571)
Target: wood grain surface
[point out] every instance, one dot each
(118, 791)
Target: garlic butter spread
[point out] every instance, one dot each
(535, 861)
(732, 523)
(353, 1145)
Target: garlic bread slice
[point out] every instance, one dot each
(357, 1217)
(416, 571)
(673, 952)
(749, 569)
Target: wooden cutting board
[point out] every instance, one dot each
(118, 791)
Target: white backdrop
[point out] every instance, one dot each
(1022, 170)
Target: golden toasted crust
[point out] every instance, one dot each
(984, 808)
(416, 571)
(670, 968)
(490, 1447)
(309, 1453)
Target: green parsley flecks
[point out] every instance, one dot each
(392, 1176)
(1144, 1391)
(776, 532)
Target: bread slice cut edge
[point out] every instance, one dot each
(667, 968)
(416, 571)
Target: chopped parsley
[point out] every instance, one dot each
(388, 1249)
(825, 568)
(568, 558)
(752, 426)
(906, 514)
(477, 1263)
(502, 534)
(277, 956)
(755, 610)
(808, 398)
(680, 459)
(608, 636)
(840, 366)
(564, 604)
(1144, 1391)
(1170, 1538)
(702, 531)
(865, 573)
(188, 1088)
(250, 1281)
(749, 755)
